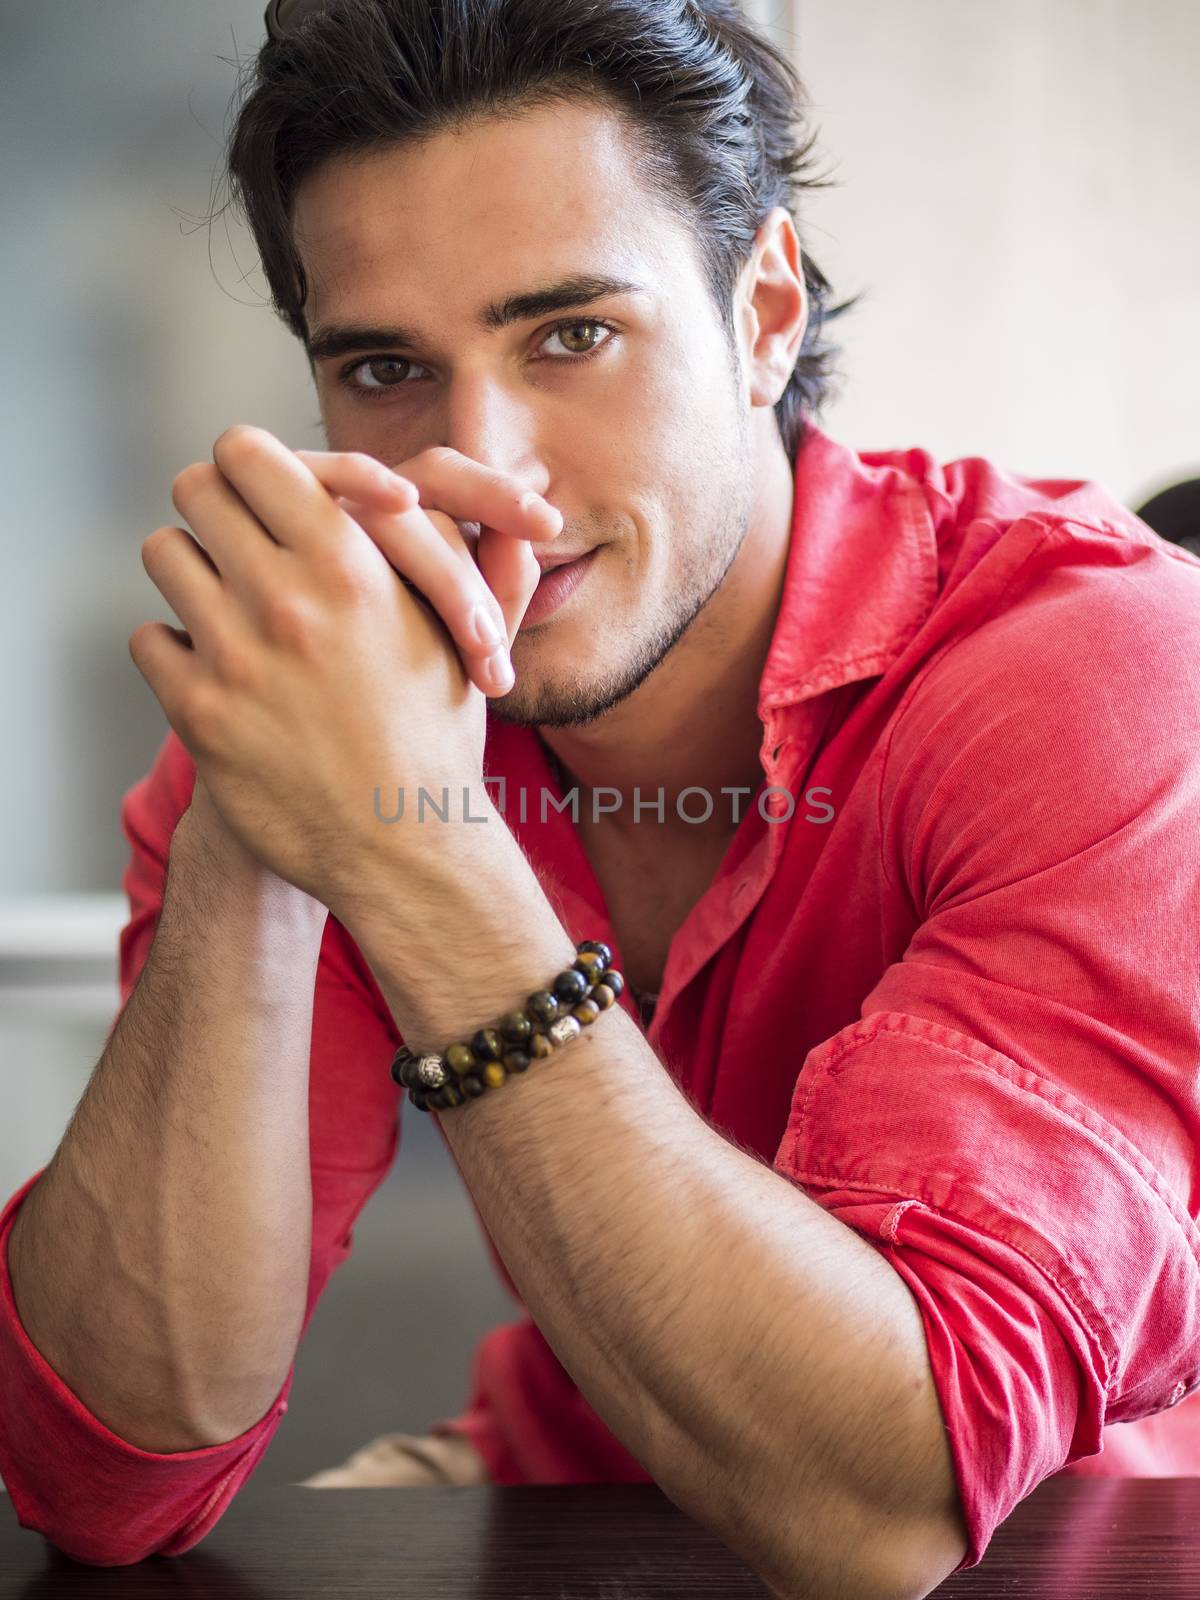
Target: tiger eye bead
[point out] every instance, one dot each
(433, 1100)
(543, 1005)
(487, 1045)
(515, 1027)
(539, 1046)
(419, 1098)
(602, 996)
(600, 948)
(516, 1060)
(473, 1086)
(615, 982)
(494, 1074)
(459, 1059)
(404, 1068)
(586, 1011)
(591, 965)
(570, 986)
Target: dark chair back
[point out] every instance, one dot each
(1174, 514)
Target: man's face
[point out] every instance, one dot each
(628, 412)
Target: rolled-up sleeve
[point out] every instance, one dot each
(1013, 1120)
(91, 1493)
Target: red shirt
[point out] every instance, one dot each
(958, 1007)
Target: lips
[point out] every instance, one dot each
(549, 565)
(557, 584)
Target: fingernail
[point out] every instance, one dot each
(484, 628)
(500, 670)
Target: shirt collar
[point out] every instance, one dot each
(862, 569)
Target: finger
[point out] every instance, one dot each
(165, 658)
(512, 573)
(281, 491)
(257, 486)
(241, 549)
(428, 550)
(471, 492)
(187, 579)
(359, 476)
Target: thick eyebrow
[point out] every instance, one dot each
(570, 295)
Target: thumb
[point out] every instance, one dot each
(510, 570)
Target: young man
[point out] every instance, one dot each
(880, 1208)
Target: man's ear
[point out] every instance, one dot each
(772, 308)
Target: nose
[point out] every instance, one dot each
(498, 426)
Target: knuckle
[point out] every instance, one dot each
(191, 480)
(230, 663)
(202, 713)
(346, 579)
(439, 454)
(241, 441)
(154, 545)
(352, 589)
(292, 620)
(137, 641)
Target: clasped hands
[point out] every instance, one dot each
(330, 641)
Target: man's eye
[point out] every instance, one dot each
(352, 382)
(579, 339)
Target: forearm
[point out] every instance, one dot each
(760, 1359)
(161, 1262)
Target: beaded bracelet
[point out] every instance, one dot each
(549, 1019)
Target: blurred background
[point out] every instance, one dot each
(1015, 199)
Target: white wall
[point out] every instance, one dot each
(1018, 193)
(133, 337)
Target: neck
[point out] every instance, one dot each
(694, 721)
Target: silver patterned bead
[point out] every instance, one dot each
(431, 1074)
(564, 1030)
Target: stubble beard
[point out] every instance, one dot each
(555, 695)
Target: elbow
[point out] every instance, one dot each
(911, 1568)
(896, 1565)
(104, 1555)
(111, 1540)
(114, 1546)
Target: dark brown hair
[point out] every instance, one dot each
(715, 107)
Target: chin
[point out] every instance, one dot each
(552, 649)
(538, 699)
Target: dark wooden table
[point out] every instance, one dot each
(1073, 1539)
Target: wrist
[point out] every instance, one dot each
(207, 862)
(414, 862)
(456, 934)
(551, 1015)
